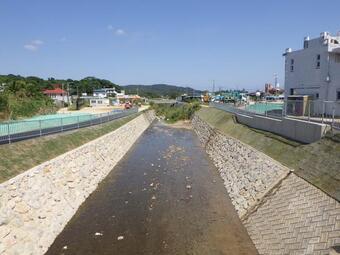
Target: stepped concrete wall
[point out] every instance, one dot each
(35, 206)
(283, 213)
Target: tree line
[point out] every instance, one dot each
(23, 96)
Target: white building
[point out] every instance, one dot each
(97, 102)
(104, 92)
(57, 94)
(315, 71)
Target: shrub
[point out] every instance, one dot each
(174, 112)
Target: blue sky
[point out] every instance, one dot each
(239, 44)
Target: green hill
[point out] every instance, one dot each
(160, 90)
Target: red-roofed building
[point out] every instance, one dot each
(57, 94)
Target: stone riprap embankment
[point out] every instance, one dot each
(283, 213)
(36, 205)
(248, 174)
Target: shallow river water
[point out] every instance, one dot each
(164, 197)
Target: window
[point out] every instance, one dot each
(317, 95)
(305, 44)
(336, 58)
(318, 58)
(292, 65)
(292, 91)
(338, 95)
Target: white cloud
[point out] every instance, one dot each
(120, 32)
(116, 31)
(30, 47)
(33, 45)
(37, 42)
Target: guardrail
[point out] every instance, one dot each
(318, 111)
(14, 131)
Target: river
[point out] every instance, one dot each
(164, 197)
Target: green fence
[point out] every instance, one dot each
(47, 124)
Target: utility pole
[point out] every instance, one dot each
(68, 92)
(275, 80)
(213, 87)
(62, 88)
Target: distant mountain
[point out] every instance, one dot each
(160, 90)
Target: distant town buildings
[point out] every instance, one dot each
(314, 71)
(269, 89)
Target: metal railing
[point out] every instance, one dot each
(319, 111)
(13, 131)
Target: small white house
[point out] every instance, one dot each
(57, 94)
(95, 102)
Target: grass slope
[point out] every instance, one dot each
(18, 157)
(318, 163)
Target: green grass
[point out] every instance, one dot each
(18, 157)
(172, 113)
(318, 163)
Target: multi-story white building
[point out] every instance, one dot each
(104, 92)
(314, 71)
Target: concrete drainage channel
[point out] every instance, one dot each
(36, 205)
(283, 213)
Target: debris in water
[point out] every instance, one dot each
(119, 238)
(188, 186)
(98, 234)
(126, 202)
(65, 247)
(151, 185)
(153, 197)
(152, 164)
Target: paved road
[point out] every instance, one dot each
(164, 197)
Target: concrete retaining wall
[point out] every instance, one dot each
(36, 205)
(298, 130)
(282, 213)
(248, 174)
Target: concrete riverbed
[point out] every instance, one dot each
(164, 197)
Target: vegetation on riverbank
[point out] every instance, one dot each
(20, 156)
(174, 112)
(23, 96)
(23, 99)
(318, 163)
